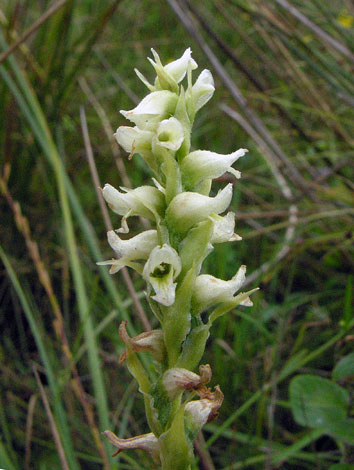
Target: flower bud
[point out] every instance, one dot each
(188, 208)
(210, 291)
(170, 134)
(151, 341)
(170, 75)
(178, 68)
(224, 228)
(145, 201)
(147, 442)
(161, 269)
(176, 380)
(155, 107)
(202, 164)
(203, 89)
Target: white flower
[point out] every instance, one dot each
(145, 201)
(133, 139)
(210, 290)
(155, 107)
(187, 209)
(170, 134)
(161, 269)
(224, 228)
(136, 248)
(202, 164)
(176, 380)
(203, 89)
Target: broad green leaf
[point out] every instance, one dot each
(317, 402)
(343, 430)
(344, 369)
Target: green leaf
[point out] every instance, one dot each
(317, 402)
(344, 369)
(343, 430)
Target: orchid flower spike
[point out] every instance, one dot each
(185, 222)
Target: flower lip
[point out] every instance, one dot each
(161, 269)
(170, 134)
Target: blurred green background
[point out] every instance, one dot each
(284, 90)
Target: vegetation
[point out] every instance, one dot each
(284, 91)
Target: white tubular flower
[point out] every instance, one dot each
(161, 269)
(138, 247)
(134, 140)
(155, 107)
(202, 164)
(203, 89)
(210, 290)
(145, 201)
(224, 228)
(147, 442)
(176, 380)
(187, 209)
(170, 134)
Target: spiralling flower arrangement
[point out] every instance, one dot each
(187, 224)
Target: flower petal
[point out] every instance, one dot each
(134, 140)
(178, 68)
(188, 208)
(138, 247)
(224, 228)
(203, 89)
(210, 290)
(145, 201)
(152, 109)
(203, 164)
